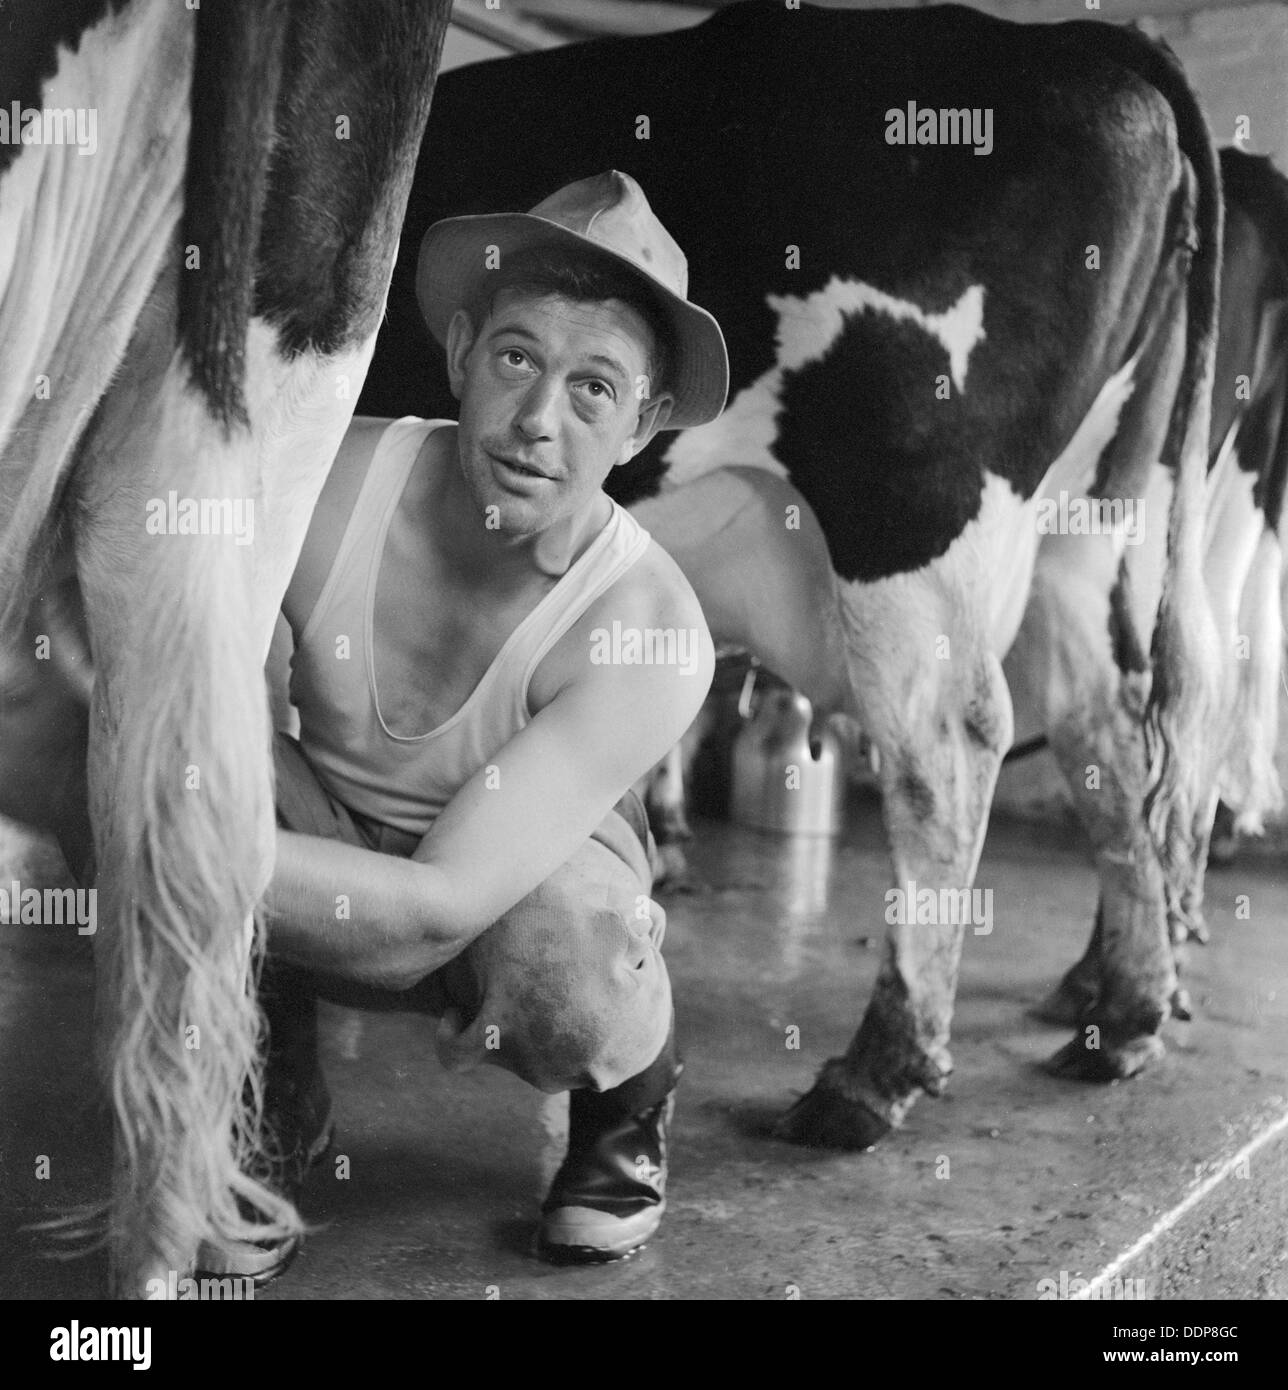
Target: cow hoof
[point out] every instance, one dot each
(826, 1118)
(1112, 1061)
(1068, 1003)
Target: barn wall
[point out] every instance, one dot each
(1237, 60)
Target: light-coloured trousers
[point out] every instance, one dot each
(568, 988)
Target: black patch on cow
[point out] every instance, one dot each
(1253, 183)
(234, 89)
(767, 130)
(1263, 436)
(335, 205)
(982, 722)
(30, 34)
(864, 438)
(1130, 655)
(293, 221)
(918, 795)
(1271, 485)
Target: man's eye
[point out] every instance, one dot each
(513, 357)
(598, 390)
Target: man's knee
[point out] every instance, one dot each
(574, 986)
(615, 1011)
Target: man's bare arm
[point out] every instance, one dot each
(511, 826)
(353, 912)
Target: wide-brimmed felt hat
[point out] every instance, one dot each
(606, 216)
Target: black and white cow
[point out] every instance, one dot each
(189, 296)
(1244, 530)
(1257, 255)
(958, 261)
(1250, 421)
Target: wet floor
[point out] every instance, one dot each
(1011, 1179)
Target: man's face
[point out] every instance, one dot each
(551, 399)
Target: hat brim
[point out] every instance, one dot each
(453, 265)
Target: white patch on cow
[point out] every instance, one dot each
(923, 650)
(807, 329)
(1242, 572)
(81, 243)
(1056, 656)
(298, 416)
(1147, 563)
(1233, 523)
(1074, 470)
(1249, 780)
(762, 586)
(972, 594)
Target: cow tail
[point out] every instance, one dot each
(1185, 654)
(1185, 691)
(189, 832)
(1186, 660)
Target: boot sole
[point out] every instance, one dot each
(576, 1253)
(262, 1264)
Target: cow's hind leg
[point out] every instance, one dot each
(933, 699)
(1094, 672)
(1074, 997)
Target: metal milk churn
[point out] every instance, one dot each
(778, 782)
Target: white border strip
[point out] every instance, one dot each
(1170, 1218)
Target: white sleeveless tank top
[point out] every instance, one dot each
(406, 780)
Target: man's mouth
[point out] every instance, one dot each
(519, 467)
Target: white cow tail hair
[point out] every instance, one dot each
(186, 825)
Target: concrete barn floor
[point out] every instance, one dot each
(1011, 1179)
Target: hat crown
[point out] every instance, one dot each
(610, 210)
(609, 215)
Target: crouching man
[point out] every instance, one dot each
(489, 651)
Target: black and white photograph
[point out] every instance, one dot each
(642, 657)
